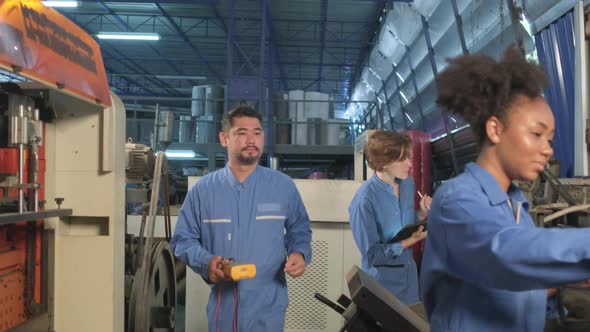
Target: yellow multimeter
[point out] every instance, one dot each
(238, 271)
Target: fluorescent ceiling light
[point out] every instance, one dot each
(70, 4)
(181, 154)
(452, 132)
(163, 77)
(128, 36)
(404, 96)
(407, 116)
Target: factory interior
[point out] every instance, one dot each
(110, 111)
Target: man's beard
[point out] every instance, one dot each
(251, 160)
(248, 160)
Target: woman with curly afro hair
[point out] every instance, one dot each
(486, 267)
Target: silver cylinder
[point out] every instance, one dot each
(314, 131)
(34, 175)
(21, 169)
(165, 126)
(208, 123)
(273, 162)
(334, 131)
(215, 108)
(214, 95)
(37, 127)
(156, 126)
(18, 126)
(24, 125)
(203, 129)
(198, 101)
(185, 129)
(35, 142)
(14, 130)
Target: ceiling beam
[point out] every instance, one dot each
(126, 27)
(139, 71)
(233, 40)
(323, 15)
(189, 43)
(273, 43)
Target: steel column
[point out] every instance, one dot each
(270, 116)
(399, 96)
(416, 91)
(261, 55)
(323, 15)
(272, 41)
(443, 114)
(459, 22)
(388, 108)
(229, 54)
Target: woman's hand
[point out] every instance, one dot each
(417, 236)
(425, 202)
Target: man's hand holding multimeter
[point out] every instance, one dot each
(223, 269)
(215, 270)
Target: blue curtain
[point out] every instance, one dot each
(555, 48)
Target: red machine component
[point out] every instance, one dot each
(14, 308)
(8, 161)
(421, 157)
(9, 167)
(425, 168)
(12, 281)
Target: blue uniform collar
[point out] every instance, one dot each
(381, 184)
(492, 188)
(386, 186)
(234, 182)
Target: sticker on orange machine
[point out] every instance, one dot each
(39, 43)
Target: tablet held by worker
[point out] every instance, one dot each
(407, 231)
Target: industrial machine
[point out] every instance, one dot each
(563, 203)
(61, 211)
(372, 308)
(150, 274)
(22, 183)
(61, 177)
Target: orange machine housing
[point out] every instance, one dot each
(13, 244)
(44, 46)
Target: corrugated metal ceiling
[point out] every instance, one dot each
(320, 44)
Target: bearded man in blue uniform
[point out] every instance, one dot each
(249, 213)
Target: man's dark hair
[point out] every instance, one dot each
(239, 112)
(477, 87)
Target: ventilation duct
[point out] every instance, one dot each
(380, 64)
(389, 46)
(425, 7)
(487, 29)
(404, 23)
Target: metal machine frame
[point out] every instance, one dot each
(74, 268)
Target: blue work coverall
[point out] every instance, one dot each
(486, 266)
(259, 221)
(376, 216)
